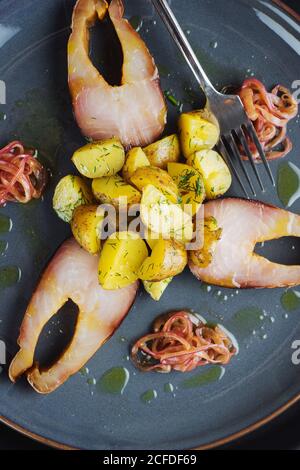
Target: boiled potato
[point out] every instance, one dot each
(162, 217)
(135, 159)
(164, 151)
(114, 190)
(190, 184)
(168, 258)
(215, 172)
(211, 235)
(71, 192)
(120, 260)
(86, 227)
(103, 158)
(142, 177)
(156, 289)
(197, 133)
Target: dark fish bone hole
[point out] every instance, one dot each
(106, 51)
(285, 250)
(56, 335)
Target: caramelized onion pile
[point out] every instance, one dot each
(182, 342)
(270, 113)
(22, 177)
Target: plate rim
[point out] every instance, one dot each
(213, 445)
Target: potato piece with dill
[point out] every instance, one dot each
(120, 260)
(164, 218)
(215, 172)
(163, 151)
(197, 133)
(190, 185)
(168, 258)
(86, 227)
(142, 177)
(114, 190)
(71, 192)
(157, 289)
(135, 159)
(211, 235)
(97, 159)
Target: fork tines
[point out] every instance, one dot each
(230, 147)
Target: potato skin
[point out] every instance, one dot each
(102, 158)
(157, 289)
(135, 159)
(85, 225)
(121, 257)
(163, 151)
(215, 172)
(196, 133)
(211, 235)
(168, 259)
(142, 177)
(113, 190)
(71, 192)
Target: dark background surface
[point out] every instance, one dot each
(282, 433)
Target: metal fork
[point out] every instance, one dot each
(235, 126)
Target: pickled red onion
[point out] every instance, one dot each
(181, 344)
(270, 113)
(22, 177)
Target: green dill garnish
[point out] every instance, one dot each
(171, 98)
(184, 182)
(198, 188)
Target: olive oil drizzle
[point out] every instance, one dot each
(288, 183)
(114, 381)
(213, 374)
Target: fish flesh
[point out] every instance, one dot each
(135, 112)
(72, 274)
(244, 224)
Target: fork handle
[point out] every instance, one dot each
(183, 44)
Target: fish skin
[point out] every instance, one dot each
(135, 112)
(244, 224)
(71, 274)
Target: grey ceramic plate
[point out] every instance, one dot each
(233, 39)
